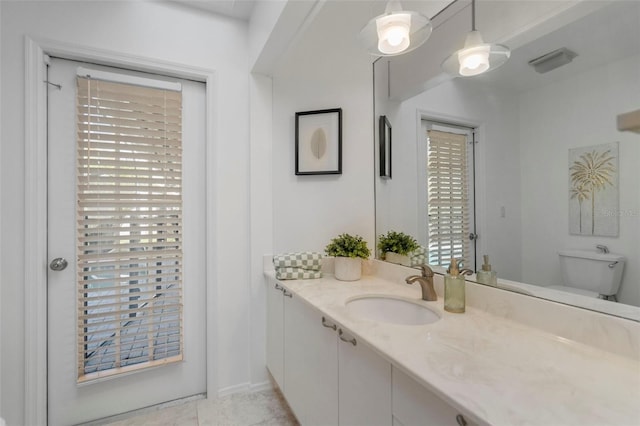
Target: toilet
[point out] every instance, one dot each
(591, 273)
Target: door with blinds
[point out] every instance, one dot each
(448, 210)
(126, 214)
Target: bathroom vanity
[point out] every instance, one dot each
(510, 359)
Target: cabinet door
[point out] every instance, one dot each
(364, 380)
(275, 332)
(310, 364)
(297, 323)
(323, 367)
(413, 404)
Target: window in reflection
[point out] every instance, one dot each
(450, 194)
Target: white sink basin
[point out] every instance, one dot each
(391, 310)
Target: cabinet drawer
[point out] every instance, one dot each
(412, 404)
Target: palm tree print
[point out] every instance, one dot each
(589, 175)
(581, 194)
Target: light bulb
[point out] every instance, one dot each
(474, 61)
(393, 32)
(474, 57)
(395, 35)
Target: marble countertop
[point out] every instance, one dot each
(493, 369)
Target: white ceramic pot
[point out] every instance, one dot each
(400, 259)
(348, 268)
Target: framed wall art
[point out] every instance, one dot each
(385, 147)
(319, 142)
(593, 190)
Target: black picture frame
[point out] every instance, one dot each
(385, 147)
(318, 146)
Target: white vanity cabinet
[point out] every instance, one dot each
(326, 379)
(415, 405)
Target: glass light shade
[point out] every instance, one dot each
(476, 57)
(395, 33)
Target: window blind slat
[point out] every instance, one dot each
(108, 168)
(120, 314)
(93, 280)
(139, 221)
(148, 256)
(104, 110)
(172, 125)
(131, 338)
(129, 227)
(98, 90)
(120, 130)
(148, 315)
(133, 139)
(127, 291)
(123, 146)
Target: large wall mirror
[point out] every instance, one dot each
(534, 162)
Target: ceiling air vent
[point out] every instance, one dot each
(552, 60)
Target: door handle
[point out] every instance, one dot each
(327, 324)
(352, 340)
(58, 264)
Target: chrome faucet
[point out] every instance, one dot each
(602, 248)
(426, 283)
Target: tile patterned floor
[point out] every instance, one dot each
(243, 409)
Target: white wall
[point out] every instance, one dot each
(579, 111)
(324, 70)
(164, 33)
(496, 114)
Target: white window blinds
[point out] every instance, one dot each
(448, 197)
(129, 234)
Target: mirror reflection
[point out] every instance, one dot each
(524, 164)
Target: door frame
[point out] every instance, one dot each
(35, 255)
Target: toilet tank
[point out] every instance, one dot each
(590, 270)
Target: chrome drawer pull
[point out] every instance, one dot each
(325, 323)
(279, 287)
(286, 293)
(461, 421)
(352, 340)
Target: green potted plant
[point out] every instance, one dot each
(395, 247)
(348, 251)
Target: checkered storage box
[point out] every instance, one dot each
(309, 261)
(296, 274)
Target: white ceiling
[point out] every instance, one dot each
(608, 35)
(238, 9)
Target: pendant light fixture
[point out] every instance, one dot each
(396, 31)
(476, 57)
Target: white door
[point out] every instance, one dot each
(73, 395)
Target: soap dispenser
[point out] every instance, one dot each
(454, 291)
(486, 275)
